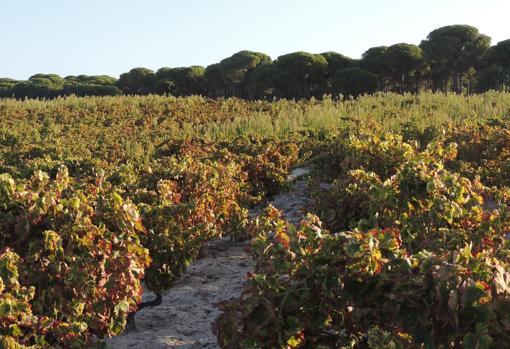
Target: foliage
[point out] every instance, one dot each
(195, 201)
(405, 64)
(425, 263)
(138, 81)
(82, 258)
(226, 78)
(452, 51)
(183, 81)
(483, 152)
(354, 82)
(300, 74)
(373, 60)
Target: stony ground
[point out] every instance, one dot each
(188, 310)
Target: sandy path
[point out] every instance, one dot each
(188, 310)
(184, 318)
(294, 202)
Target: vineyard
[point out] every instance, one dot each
(404, 243)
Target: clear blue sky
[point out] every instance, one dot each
(70, 37)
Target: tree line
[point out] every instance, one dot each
(455, 58)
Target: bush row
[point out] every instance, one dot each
(419, 258)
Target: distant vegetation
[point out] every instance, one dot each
(456, 58)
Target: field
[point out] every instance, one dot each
(405, 246)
